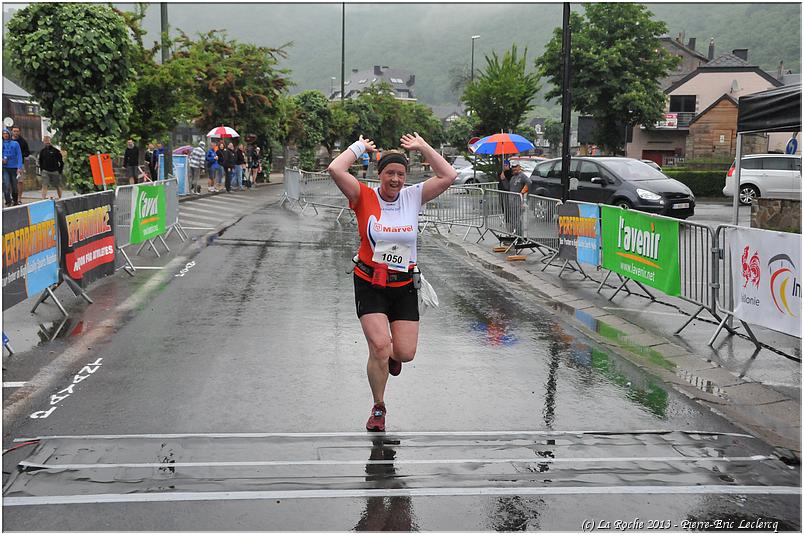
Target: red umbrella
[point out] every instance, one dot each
(222, 131)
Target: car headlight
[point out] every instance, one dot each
(648, 195)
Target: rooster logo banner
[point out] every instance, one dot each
(766, 270)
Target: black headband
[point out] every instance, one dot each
(392, 157)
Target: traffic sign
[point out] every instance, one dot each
(792, 146)
(472, 141)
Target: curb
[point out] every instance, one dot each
(702, 381)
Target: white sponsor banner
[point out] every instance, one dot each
(766, 271)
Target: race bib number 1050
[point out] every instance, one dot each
(394, 255)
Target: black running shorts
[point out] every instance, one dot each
(400, 303)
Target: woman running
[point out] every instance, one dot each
(387, 216)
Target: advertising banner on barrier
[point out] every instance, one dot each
(579, 233)
(87, 237)
(180, 172)
(147, 212)
(30, 251)
(766, 275)
(641, 247)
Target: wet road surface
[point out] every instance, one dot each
(235, 399)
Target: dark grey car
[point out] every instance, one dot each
(622, 182)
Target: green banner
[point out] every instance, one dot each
(641, 247)
(147, 212)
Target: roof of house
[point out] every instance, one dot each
(682, 47)
(726, 60)
(10, 88)
(724, 63)
(400, 80)
(442, 112)
(790, 79)
(724, 96)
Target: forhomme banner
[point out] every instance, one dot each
(30, 251)
(766, 278)
(579, 233)
(87, 236)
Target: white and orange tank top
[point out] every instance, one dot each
(388, 230)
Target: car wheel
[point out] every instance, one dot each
(623, 203)
(747, 194)
(470, 182)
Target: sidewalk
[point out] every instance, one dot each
(758, 392)
(35, 195)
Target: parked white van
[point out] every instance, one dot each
(777, 176)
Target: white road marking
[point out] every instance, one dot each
(14, 384)
(381, 435)
(409, 492)
(528, 460)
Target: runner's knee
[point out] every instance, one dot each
(380, 348)
(404, 354)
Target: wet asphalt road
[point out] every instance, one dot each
(247, 375)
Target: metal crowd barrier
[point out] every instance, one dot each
(318, 189)
(698, 264)
(122, 230)
(503, 214)
(292, 181)
(460, 206)
(172, 209)
(542, 223)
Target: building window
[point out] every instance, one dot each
(682, 103)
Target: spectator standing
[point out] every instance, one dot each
(365, 162)
(195, 163)
(213, 168)
(12, 168)
(149, 159)
(240, 168)
(519, 183)
(221, 154)
(229, 163)
(253, 165)
(131, 160)
(52, 166)
(17, 136)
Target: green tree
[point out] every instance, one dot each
(237, 84)
(616, 62)
(502, 93)
(341, 126)
(315, 116)
(76, 60)
(553, 130)
(460, 131)
(419, 118)
(163, 94)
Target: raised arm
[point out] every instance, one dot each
(339, 168)
(444, 172)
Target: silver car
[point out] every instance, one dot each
(777, 176)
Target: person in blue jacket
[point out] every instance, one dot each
(212, 167)
(12, 169)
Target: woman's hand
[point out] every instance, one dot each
(413, 142)
(368, 143)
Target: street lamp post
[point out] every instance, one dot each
(472, 68)
(331, 86)
(472, 77)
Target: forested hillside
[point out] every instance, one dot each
(432, 39)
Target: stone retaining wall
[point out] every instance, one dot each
(776, 214)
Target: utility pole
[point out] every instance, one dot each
(165, 58)
(566, 101)
(343, 48)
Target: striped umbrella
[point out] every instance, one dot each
(501, 144)
(222, 131)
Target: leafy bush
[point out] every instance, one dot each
(702, 183)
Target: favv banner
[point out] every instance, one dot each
(766, 278)
(87, 236)
(30, 251)
(642, 248)
(147, 212)
(579, 233)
